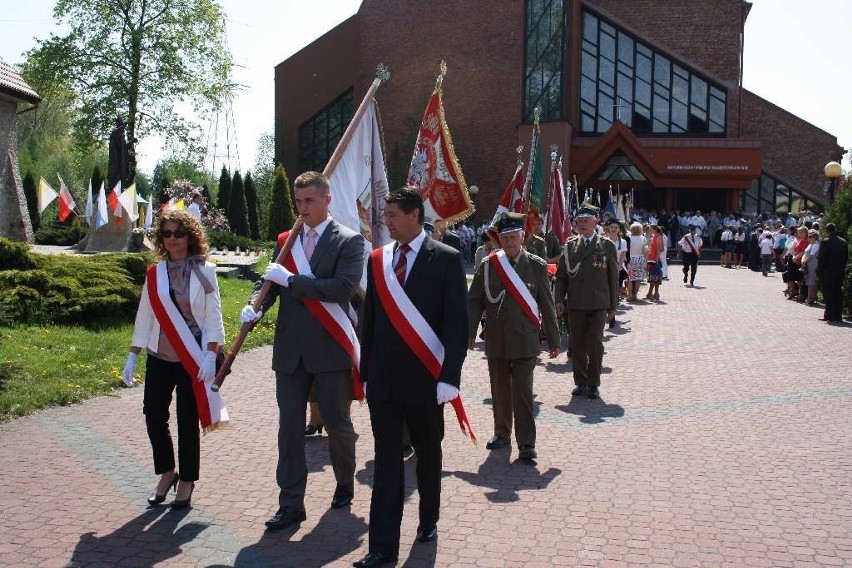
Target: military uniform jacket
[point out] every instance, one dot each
(587, 276)
(511, 334)
(536, 246)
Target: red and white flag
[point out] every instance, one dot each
(434, 169)
(513, 195)
(557, 214)
(114, 205)
(66, 200)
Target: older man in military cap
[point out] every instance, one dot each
(513, 288)
(587, 286)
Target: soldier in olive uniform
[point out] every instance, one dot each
(587, 286)
(512, 342)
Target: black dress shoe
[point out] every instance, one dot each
(156, 498)
(184, 503)
(342, 496)
(527, 452)
(284, 518)
(312, 429)
(578, 390)
(594, 392)
(427, 534)
(497, 443)
(375, 559)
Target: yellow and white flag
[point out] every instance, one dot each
(46, 195)
(127, 199)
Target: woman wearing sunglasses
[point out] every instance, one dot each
(179, 322)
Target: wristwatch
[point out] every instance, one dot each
(290, 281)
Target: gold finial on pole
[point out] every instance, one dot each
(520, 158)
(443, 71)
(382, 72)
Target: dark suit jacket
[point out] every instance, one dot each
(437, 286)
(453, 240)
(337, 264)
(832, 258)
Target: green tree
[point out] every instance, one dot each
(251, 204)
(136, 58)
(224, 189)
(263, 174)
(32, 199)
(237, 214)
(281, 212)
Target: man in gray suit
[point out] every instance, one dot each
(304, 353)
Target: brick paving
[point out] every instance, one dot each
(722, 438)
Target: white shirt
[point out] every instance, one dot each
(415, 244)
(766, 246)
(696, 240)
(319, 229)
(727, 236)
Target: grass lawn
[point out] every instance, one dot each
(44, 365)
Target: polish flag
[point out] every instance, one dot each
(66, 200)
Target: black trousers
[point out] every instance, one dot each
(832, 293)
(426, 426)
(690, 262)
(161, 379)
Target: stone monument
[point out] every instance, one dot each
(113, 236)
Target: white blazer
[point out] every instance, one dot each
(206, 309)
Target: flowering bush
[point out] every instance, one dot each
(212, 219)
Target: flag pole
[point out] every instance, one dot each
(531, 163)
(382, 74)
(547, 200)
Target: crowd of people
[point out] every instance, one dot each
(401, 342)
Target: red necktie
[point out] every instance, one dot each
(401, 264)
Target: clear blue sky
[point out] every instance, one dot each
(796, 56)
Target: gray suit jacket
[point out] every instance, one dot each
(337, 264)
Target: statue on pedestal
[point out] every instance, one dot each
(119, 163)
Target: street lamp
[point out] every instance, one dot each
(833, 171)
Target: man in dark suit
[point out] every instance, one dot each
(831, 269)
(304, 353)
(399, 385)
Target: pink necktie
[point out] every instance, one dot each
(310, 243)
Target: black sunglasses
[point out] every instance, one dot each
(178, 234)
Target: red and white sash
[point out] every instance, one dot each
(411, 325)
(516, 287)
(330, 315)
(211, 406)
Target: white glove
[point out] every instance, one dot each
(446, 392)
(278, 274)
(207, 370)
(127, 373)
(249, 315)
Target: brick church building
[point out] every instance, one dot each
(644, 95)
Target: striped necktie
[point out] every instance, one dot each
(402, 264)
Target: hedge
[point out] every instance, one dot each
(90, 291)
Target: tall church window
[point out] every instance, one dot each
(544, 52)
(319, 135)
(623, 79)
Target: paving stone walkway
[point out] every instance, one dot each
(722, 438)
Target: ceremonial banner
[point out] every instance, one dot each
(557, 212)
(114, 206)
(434, 169)
(513, 195)
(359, 182)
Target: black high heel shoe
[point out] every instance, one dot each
(312, 429)
(184, 503)
(156, 498)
